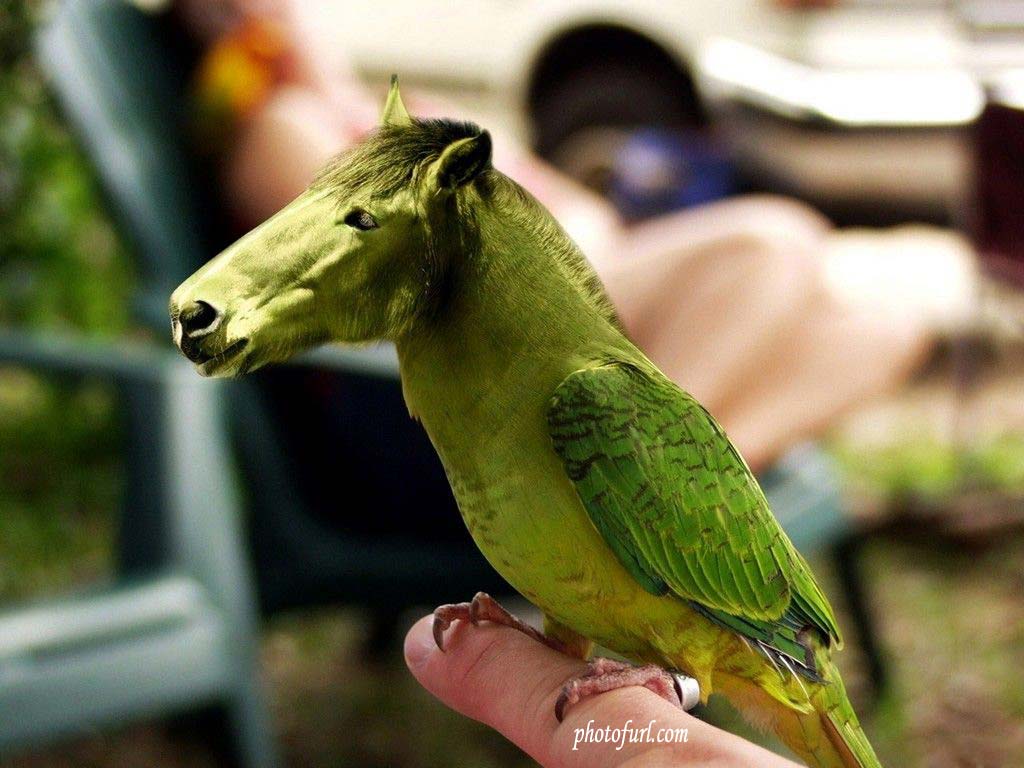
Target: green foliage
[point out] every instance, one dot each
(917, 466)
(61, 262)
(62, 265)
(921, 465)
(15, 26)
(1000, 461)
(59, 482)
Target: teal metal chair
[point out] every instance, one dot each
(177, 635)
(121, 77)
(176, 630)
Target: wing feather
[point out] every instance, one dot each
(680, 508)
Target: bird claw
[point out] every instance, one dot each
(444, 615)
(603, 675)
(483, 607)
(441, 623)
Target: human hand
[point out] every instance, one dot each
(508, 681)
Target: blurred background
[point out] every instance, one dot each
(806, 211)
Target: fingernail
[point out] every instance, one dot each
(419, 645)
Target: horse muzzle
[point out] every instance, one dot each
(194, 328)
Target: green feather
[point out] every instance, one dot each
(681, 510)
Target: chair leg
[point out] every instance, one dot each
(847, 553)
(251, 728)
(208, 727)
(382, 637)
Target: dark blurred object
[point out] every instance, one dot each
(998, 226)
(605, 77)
(659, 171)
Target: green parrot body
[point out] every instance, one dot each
(611, 499)
(600, 490)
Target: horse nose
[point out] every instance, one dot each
(198, 319)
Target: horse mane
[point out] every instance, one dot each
(389, 159)
(525, 213)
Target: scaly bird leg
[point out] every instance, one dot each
(604, 675)
(483, 607)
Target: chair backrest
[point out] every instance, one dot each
(121, 81)
(123, 84)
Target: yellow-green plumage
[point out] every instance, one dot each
(601, 491)
(606, 495)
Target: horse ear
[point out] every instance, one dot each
(394, 112)
(462, 161)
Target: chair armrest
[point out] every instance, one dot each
(378, 360)
(89, 620)
(803, 492)
(73, 355)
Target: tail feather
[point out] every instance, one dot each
(844, 745)
(840, 723)
(826, 736)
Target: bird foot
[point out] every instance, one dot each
(483, 607)
(604, 675)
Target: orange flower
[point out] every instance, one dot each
(239, 71)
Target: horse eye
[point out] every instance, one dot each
(361, 220)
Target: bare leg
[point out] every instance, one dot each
(483, 607)
(833, 357)
(604, 675)
(765, 284)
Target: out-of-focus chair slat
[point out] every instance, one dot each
(178, 631)
(105, 658)
(73, 355)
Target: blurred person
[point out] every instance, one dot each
(733, 300)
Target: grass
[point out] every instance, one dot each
(926, 466)
(60, 480)
(62, 266)
(953, 625)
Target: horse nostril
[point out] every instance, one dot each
(197, 318)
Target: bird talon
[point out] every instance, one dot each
(439, 626)
(444, 615)
(561, 704)
(482, 608)
(475, 607)
(602, 675)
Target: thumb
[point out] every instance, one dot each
(510, 682)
